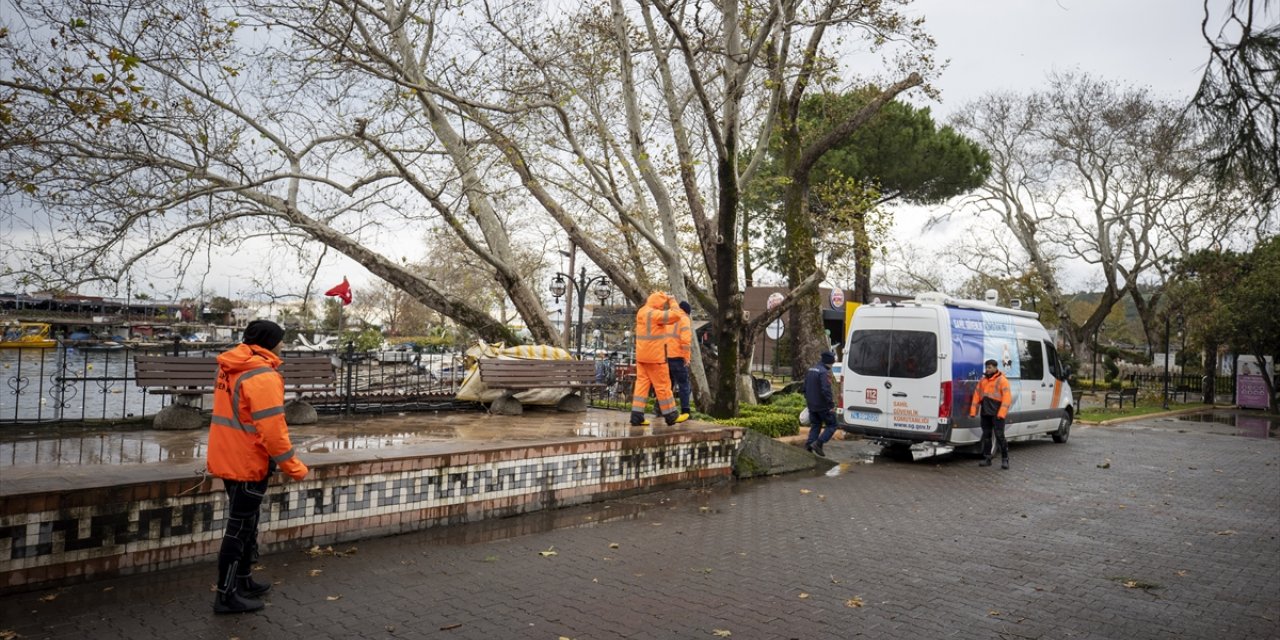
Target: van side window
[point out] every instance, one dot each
(1030, 360)
(895, 354)
(1055, 365)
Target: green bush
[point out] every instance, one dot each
(772, 425)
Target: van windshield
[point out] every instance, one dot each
(893, 353)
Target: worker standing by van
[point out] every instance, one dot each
(993, 397)
(820, 401)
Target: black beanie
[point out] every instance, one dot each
(686, 308)
(828, 357)
(263, 333)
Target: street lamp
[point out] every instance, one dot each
(599, 285)
(1166, 362)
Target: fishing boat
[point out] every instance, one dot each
(27, 335)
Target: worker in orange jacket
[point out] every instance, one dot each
(993, 397)
(655, 326)
(248, 439)
(679, 353)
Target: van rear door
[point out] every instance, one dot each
(891, 378)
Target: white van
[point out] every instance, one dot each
(910, 369)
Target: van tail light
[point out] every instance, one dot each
(944, 400)
(839, 391)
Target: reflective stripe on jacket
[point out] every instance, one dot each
(993, 395)
(248, 426)
(680, 345)
(655, 326)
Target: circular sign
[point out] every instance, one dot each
(774, 300)
(837, 298)
(774, 330)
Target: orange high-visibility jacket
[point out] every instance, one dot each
(681, 344)
(655, 326)
(992, 390)
(248, 426)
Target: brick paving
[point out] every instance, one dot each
(1186, 517)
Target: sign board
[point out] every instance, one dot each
(837, 298)
(1251, 389)
(774, 330)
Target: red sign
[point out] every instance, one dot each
(873, 396)
(837, 298)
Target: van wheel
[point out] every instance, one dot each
(1064, 429)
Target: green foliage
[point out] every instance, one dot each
(776, 419)
(901, 149)
(367, 340)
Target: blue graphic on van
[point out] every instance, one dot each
(978, 336)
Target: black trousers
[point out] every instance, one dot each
(240, 539)
(992, 424)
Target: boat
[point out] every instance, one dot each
(27, 335)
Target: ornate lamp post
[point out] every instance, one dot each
(599, 285)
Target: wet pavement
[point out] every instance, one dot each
(1157, 528)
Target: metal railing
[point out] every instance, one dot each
(72, 384)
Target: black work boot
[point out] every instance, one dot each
(986, 462)
(817, 450)
(1004, 463)
(247, 587)
(232, 602)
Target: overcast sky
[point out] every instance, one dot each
(1012, 45)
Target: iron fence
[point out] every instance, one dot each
(70, 383)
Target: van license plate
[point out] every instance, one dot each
(864, 416)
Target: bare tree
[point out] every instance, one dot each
(1090, 171)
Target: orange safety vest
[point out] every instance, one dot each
(655, 326)
(680, 345)
(248, 426)
(995, 389)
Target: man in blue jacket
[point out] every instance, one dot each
(819, 399)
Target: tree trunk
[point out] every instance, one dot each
(861, 260)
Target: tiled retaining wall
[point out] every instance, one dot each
(68, 536)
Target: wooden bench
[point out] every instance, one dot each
(1119, 396)
(187, 379)
(514, 376)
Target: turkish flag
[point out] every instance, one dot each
(342, 291)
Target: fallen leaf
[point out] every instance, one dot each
(315, 572)
(332, 598)
(721, 633)
(491, 558)
(613, 545)
(49, 597)
(451, 626)
(1130, 584)
(564, 638)
(834, 580)
(806, 491)
(8, 634)
(803, 596)
(1225, 532)
(1106, 464)
(704, 509)
(1180, 573)
(993, 613)
(854, 602)
(548, 553)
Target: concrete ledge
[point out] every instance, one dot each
(55, 537)
(764, 456)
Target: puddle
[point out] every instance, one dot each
(1236, 423)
